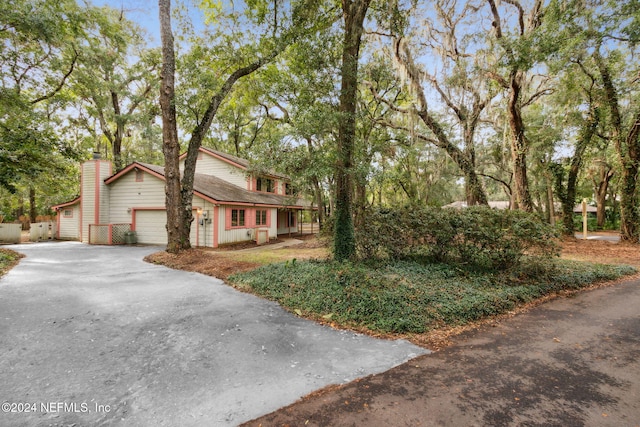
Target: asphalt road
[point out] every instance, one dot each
(93, 335)
(570, 362)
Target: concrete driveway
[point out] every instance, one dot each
(93, 335)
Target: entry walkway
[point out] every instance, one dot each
(285, 244)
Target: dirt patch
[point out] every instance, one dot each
(202, 261)
(227, 260)
(601, 251)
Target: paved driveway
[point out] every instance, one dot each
(94, 335)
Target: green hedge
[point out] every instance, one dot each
(478, 236)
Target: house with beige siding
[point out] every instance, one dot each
(230, 204)
(68, 224)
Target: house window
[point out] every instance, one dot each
(68, 213)
(288, 189)
(237, 217)
(291, 219)
(264, 184)
(139, 175)
(261, 217)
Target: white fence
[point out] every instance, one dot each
(42, 231)
(10, 233)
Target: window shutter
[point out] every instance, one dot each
(268, 217)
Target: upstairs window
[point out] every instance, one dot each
(265, 184)
(288, 189)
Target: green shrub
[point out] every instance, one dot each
(480, 237)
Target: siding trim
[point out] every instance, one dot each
(216, 224)
(81, 219)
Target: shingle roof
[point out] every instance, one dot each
(223, 191)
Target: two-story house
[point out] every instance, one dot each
(229, 204)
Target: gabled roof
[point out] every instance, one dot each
(65, 204)
(217, 190)
(238, 162)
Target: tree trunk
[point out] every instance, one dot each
(601, 188)
(181, 201)
(360, 203)
(629, 212)
(519, 144)
(170, 144)
(319, 202)
(344, 242)
(116, 144)
(628, 148)
(514, 84)
(473, 189)
(552, 208)
(33, 212)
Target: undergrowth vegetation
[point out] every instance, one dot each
(423, 268)
(7, 260)
(477, 236)
(412, 297)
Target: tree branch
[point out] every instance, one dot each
(520, 14)
(392, 106)
(62, 82)
(508, 187)
(537, 95)
(496, 18)
(138, 101)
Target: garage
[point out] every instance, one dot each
(151, 227)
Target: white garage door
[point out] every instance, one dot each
(151, 228)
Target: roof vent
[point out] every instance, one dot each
(97, 155)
